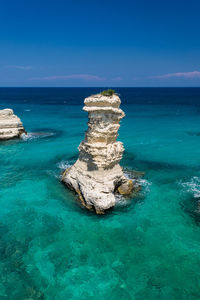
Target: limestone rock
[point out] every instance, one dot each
(10, 125)
(126, 187)
(96, 174)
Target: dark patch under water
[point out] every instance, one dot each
(46, 132)
(191, 206)
(193, 133)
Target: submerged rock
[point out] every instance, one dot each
(126, 187)
(10, 125)
(97, 175)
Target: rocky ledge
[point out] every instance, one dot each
(96, 176)
(10, 125)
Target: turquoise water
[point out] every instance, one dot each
(146, 248)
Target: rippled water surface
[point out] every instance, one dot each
(147, 247)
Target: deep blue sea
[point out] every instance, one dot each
(148, 247)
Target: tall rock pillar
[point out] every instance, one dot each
(97, 175)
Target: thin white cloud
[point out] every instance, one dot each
(26, 68)
(187, 75)
(86, 77)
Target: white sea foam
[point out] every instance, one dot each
(27, 109)
(145, 184)
(121, 200)
(138, 181)
(35, 135)
(28, 136)
(63, 165)
(192, 186)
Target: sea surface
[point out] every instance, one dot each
(148, 247)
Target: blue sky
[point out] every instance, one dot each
(100, 43)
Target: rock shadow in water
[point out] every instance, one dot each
(47, 132)
(191, 206)
(129, 160)
(193, 133)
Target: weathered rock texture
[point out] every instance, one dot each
(97, 175)
(10, 125)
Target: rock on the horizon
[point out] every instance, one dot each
(97, 175)
(10, 125)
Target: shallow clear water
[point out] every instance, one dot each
(146, 248)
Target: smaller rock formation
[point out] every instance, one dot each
(97, 176)
(10, 125)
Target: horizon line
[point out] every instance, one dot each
(104, 87)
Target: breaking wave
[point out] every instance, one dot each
(138, 180)
(36, 135)
(28, 136)
(192, 186)
(63, 165)
(145, 184)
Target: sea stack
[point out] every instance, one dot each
(10, 125)
(96, 176)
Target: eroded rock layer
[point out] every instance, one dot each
(10, 125)
(97, 175)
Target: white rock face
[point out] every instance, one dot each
(10, 125)
(96, 175)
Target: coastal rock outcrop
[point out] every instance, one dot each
(96, 176)
(10, 125)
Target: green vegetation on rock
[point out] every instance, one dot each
(108, 92)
